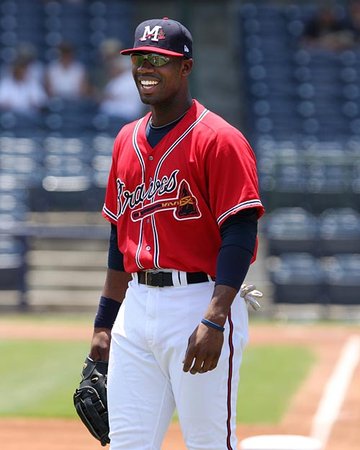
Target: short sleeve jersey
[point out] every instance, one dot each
(168, 202)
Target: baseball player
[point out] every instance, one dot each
(183, 203)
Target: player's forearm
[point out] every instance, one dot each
(116, 283)
(219, 307)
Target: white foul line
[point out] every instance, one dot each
(335, 390)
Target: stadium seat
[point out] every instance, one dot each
(342, 273)
(329, 187)
(70, 117)
(339, 231)
(66, 185)
(100, 164)
(14, 206)
(297, 278)
(291, 230)
(12, 264)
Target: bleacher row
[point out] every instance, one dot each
(45, 23)
(53, 173)
(61, 117)
(302, 115)
(314, 258)
(293, 90)
(312, 174)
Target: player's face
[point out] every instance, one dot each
(158, 78)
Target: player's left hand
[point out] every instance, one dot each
(203, 351)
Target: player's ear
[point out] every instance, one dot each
(187, 66)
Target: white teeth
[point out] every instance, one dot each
(148, 83)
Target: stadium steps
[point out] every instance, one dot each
(64, 274)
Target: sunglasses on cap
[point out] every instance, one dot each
(154, 59)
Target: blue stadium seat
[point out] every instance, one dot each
(101, 162)
(297, 278)
(291, 230)
(342, 274)
(339, 231)
(12, 264)
(329, 187)
(71, 117)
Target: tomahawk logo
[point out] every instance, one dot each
(184, 205)
(154, 34)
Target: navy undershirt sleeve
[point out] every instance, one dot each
(238, 239)
(115, 257)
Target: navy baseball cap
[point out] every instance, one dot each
(164, 36)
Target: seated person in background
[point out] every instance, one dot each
(120, 95)
(327, 31)
(19, 92)
(108, 51)
(27, 52)
(66, 77)
(353, 21)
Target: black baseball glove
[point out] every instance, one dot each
(90, 399)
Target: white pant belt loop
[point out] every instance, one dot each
(183, 279)
(175, 278)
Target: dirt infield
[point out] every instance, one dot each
(327, 341)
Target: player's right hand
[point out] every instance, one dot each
(203, 351)
(100, 344)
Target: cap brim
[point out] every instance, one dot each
(149, 49)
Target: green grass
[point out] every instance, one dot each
(38, 379)
(269, 377)
(49, 318)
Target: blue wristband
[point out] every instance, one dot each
(214, 325)
(106, 313)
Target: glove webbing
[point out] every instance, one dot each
(92, 410)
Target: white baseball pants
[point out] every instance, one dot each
(146, 381)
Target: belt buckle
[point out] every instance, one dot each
(154, 278)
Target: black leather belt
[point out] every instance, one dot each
(164, 279)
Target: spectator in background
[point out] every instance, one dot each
(27, 52)
(120, 96)
(327, 31)
(66, 77)
(19, 92)
(35, 69)
(109, 51)
(353, 21)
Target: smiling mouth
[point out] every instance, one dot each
(148, 84)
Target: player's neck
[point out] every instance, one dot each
(166, 124)
(162, 116)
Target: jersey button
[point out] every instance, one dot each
(148, 248)
(151, 158)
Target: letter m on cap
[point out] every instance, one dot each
(153, 34)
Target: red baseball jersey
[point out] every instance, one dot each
(169, 201)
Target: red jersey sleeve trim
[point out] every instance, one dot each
(255, 203)
(108, 215)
